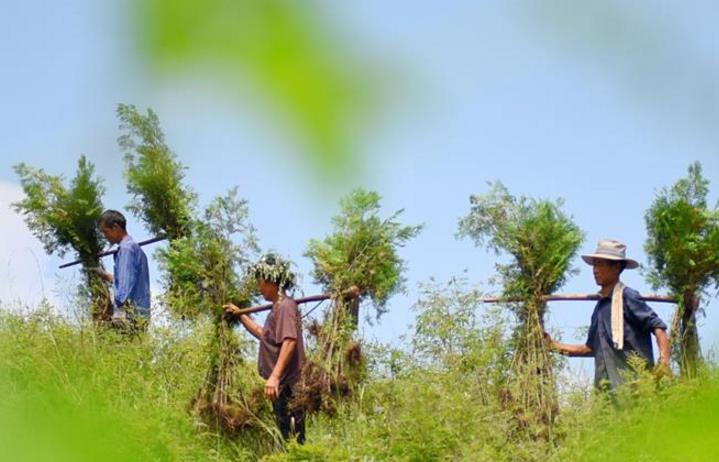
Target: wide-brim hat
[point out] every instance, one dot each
(609, 249)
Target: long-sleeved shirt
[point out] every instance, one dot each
(131, 278)
(639, 323)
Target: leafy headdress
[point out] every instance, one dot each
(273, 268)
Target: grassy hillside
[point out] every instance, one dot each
(71, 393)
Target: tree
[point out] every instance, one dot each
(541, 242)
(64, 218)
(683, 250)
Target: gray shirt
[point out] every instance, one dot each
(639, 323)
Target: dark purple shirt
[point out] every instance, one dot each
(282, 323)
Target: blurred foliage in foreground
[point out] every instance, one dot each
(285, 52)
(73, 393)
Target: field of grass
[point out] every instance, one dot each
(73, 393)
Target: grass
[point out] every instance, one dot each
(71, 393)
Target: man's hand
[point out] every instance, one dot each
(231, 311)
(272, 388)
(567, 349)
(551, 343)
(662, 369)
(104, 275)
(664, 361)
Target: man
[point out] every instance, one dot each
(622, 323)
(130, 278)
(281, 352)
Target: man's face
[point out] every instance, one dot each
(113, 234)
(606, 271)
(267, 288)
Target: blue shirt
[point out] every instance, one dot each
(639, 323)
(132, 277)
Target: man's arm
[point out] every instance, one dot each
(642, 314)
(663, 346)
(252, 327)
(272, 386)
(568, 349)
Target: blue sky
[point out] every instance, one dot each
(601, 105)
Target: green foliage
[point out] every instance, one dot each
(683, 250)
(274, 268)
(541, 241)
(154, 175)
(75, 393)
(539, 237)
(362, 251)
(283, 51)
(65, 218)
(203, 270)
(202, 263)
(436, 398)
(451, 335)
(205, 266)
(676, 423)
(683, 236)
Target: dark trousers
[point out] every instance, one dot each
(290, 422)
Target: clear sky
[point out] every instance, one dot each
(601, 105)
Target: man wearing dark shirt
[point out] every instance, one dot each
(281, 352)
(130, 278)
(621, 324)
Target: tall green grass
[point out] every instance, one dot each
(72, 393)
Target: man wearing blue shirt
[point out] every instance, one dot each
(130, 278)
(622, 323)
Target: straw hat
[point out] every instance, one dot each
(609, 249)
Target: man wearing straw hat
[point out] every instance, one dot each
(622, 323)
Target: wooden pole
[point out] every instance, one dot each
(579, 297)
(114, 251)
(352, 292)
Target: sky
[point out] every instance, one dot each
(601, 105)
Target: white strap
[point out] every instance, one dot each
(618, 316)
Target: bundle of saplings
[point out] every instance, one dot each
(540, 241)
(202, 264)
(363, 252)
(683, 250)
(65, 218)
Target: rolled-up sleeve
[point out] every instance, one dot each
(641, 313)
